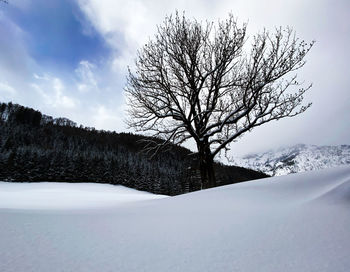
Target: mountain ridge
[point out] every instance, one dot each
(296, 158)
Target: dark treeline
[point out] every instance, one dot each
(36, 147)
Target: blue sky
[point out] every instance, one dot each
(70, 57)
(53, 59)
(58, 33)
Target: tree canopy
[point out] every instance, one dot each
(212, 83)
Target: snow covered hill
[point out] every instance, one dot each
(295, 159)
(291, 223)
(60, 195)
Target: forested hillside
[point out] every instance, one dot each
(37, 147)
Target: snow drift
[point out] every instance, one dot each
(52, 195)
(299, 222)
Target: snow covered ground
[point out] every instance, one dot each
(298, 222)
(52, 195)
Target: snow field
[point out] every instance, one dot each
(52, 195)
(299, 222)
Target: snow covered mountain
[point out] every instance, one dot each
(298, 158)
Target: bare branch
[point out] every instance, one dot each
(193, 80)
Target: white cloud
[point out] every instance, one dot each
(52, 91)
(86, 77)
(127, 25)
(6, 89)
(108, 118)
(42, 77)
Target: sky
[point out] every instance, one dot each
(69, 58)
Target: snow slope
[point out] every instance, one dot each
(295, 223)
(297, 158)
(51, 195)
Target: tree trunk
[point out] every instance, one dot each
(211, 172)
(206, 166)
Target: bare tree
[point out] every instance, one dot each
(195, 80)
